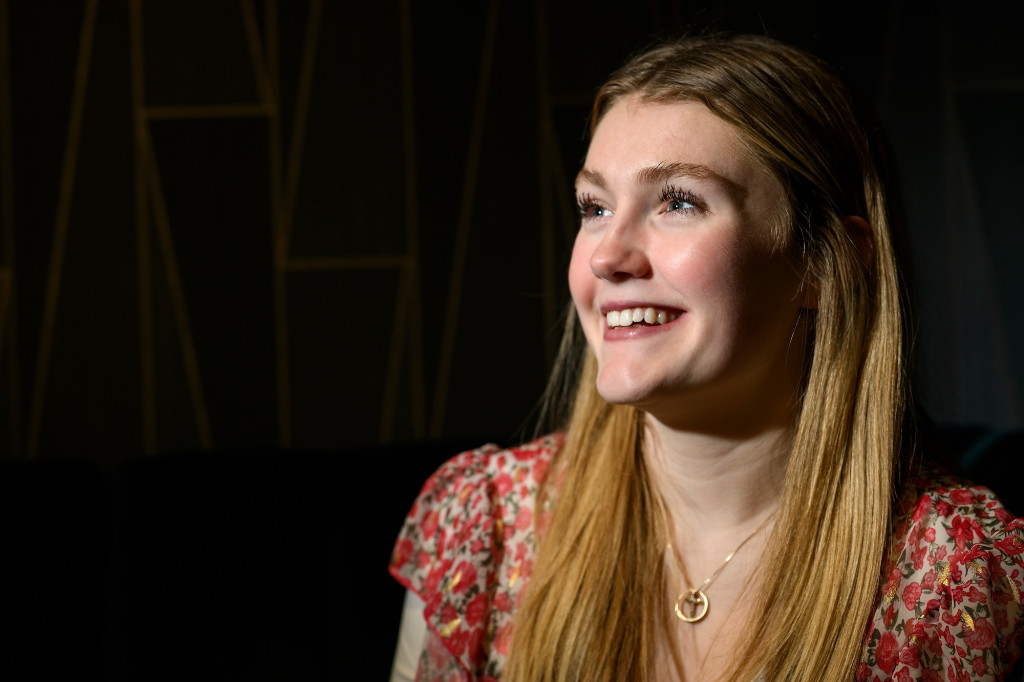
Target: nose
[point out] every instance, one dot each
(621, 254)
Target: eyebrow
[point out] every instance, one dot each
(662, 172)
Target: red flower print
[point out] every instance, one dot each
(448, 613)
(924, 505)
(979, 665)
(476, 609)
(433, 579)
(863, 672)
(403, 552)
(503, 483)
(463, 578)
(540, 467)
(929, 534)
(962, 497)
(983, 636)
(476, 638)
(886, 652)
(976, 596)
(943, 508)
(889, 616)
(911, 593)
(963, 531)
(428, 526)
(1011, 545)
(894, 580)
(950, 618)
(458, 640)
(502, 602)
(524, 518)
(502, 639)
(917, 556)
(903, 675)
(910, 655)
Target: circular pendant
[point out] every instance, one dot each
(692, 606)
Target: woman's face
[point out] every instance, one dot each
(676, 225)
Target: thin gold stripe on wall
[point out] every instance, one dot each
(5, 299)
(252, 35)
(546, 192)
(299, 119)
(147, 368)
(280, 247)
(177, 295)
(60, 231)
(451, 319)
(412, 227)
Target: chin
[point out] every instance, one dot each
(618, 392)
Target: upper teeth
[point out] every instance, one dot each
(624, 318)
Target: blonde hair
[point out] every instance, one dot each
(592, 610)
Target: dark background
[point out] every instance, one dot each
(318, 225)
(243, 244)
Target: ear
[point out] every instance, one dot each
(863, 239)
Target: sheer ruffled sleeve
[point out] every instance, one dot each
(951, 608)
(466, 548)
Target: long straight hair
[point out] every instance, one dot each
(591, 609)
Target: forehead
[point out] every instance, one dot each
(634, 135)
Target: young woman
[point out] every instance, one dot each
(737, 492)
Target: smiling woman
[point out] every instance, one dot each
(675, 217)
(738, 490)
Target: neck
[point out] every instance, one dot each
(722, 486)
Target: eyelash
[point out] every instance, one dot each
(672, 193)
(585, 203)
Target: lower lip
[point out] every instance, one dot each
(637, 331)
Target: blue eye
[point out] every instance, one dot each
(679, 201)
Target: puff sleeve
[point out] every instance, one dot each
(466, 549)
(951, 609)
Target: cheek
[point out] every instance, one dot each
(707, 270)
(581, 278)
(583, 287)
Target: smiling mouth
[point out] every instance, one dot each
(639, 316)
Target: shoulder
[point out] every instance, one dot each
(470, 493)
(468, 541)
(951, 604)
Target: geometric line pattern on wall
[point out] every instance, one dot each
(284, 170)
(61, 226)
(461, 245)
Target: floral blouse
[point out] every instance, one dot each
(951, 609)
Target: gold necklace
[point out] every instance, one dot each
(694, 597)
